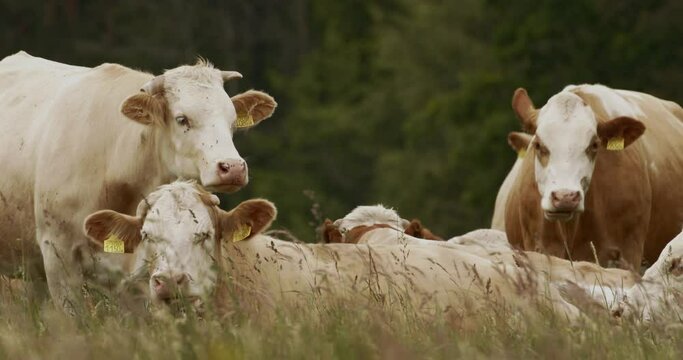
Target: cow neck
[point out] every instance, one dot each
(562, 236)
(150, 167)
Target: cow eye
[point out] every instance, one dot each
(182, 120)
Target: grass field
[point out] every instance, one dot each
(345, 330)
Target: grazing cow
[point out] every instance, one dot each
(596, 185)
(519, 142)
(374, 225)
(180, 238)
(77, 139)
(659, 296)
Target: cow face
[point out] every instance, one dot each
(196, 119)
(568, 138)
(177, 237)
(661, 289)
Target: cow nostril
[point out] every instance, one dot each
(576, 196)
(223, 167)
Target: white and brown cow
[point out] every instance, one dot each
(602, 171)
(179, 236)
(77, 139)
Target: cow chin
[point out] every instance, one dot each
(562, 216)
(223, 188)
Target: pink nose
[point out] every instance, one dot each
(166, 286)
(232, 172)
(565, 200)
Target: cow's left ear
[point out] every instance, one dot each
(252, 107)
(331, 233)
(620, 132)
(107, 224)
(247, 219)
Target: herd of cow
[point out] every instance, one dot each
(89, 191)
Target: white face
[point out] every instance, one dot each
(178, 244)
(200, 129)
(566, 144)
(661, 292)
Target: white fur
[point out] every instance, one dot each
(659, 294)
(370, 215)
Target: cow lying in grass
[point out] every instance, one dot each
(377, 225)
(366, 216)
(190, 247)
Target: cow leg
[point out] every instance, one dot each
(63, 273)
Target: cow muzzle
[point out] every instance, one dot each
(230, 176)
(564, 204)
(167, 286)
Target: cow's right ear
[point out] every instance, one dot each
(247, 219)
(149, 106)
(144, 108)
(525, 110)
(103, 224)
(519, 142)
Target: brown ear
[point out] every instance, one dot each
(625, 127)
(256, 213)
(256, 104)
(414, 228)
(145, 108)
(331, 233)
(525, 110)
(102, 224)
(519, 141)
(429, 235)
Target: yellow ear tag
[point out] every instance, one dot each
(241, 233)
(243, 121)
(521, 153)
(615, 143)
(114, 245)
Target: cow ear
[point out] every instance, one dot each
(414, 228)
(106, 224)
(252, 107)
(618, 133)
(247, 219)
(144, 108)
(525, 110)
(331, 233)
(519, 142)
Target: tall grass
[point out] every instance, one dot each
(34, 329)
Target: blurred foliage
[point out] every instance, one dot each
(394, 101)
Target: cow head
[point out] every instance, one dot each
(661, 288)
(569, 135)
(177, 234)
(196, 119)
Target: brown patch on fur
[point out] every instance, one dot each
(145, 108)
(104, 223)
(354, 235)
(525, 110)
(255, 103)
(628, 128)
(416, 229)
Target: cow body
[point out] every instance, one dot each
(69, 150)
(631, 205)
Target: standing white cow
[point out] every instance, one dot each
(77, 139)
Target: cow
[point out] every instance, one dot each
(659, 296)
(78, 139)
(190, 248)
(519, 142)
(363, 217)
(596, 185)
(376, 225)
